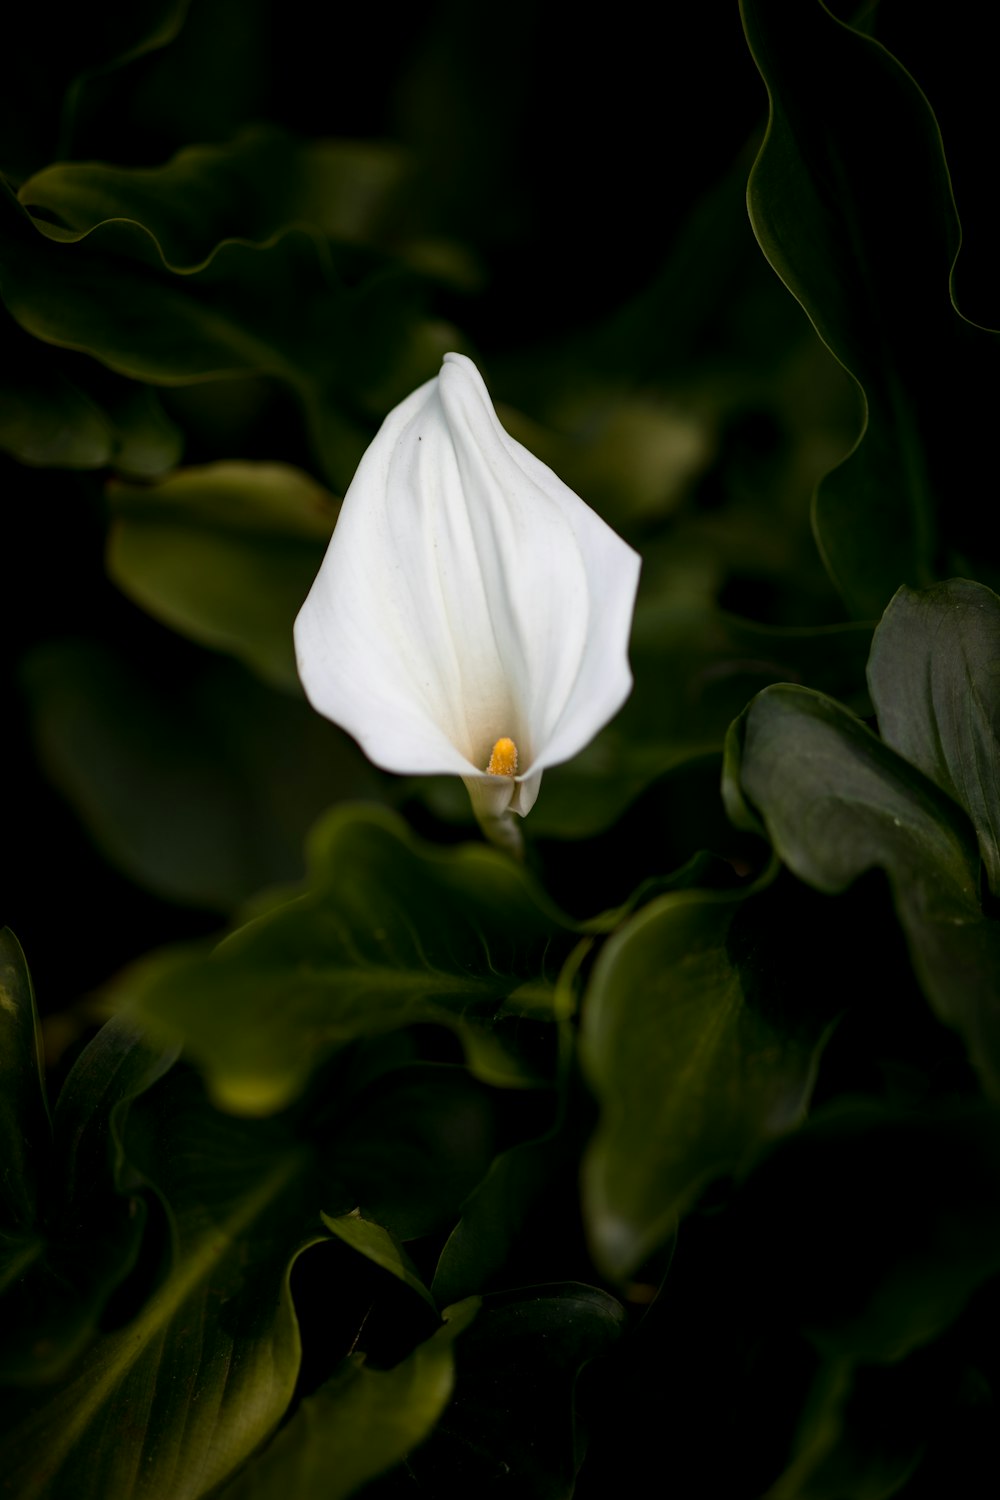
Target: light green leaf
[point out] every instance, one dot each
(378, 1246)
(358, 1424)
(206, 1369)
(387, 933)
(225, 555)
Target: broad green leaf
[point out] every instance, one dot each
(360, 1423)
(690, 1077)
(207, 1366)
(387, 933)
(201, 789)
(872, 1226)
(249, 189)
(478, 1247)
(511, 1426)
(378, 1246)
(418, 1142)
(836, 802)
(935, 687)
(225, 555)
(278, 309)
(851, 201)
(83, 1237)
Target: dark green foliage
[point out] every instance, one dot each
(349, 1155)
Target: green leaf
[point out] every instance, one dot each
(378, 1246)
(83, 1237)
(934, 685)
(225, 555)
(511, 1427)
(861, 1435)
(207, 1366)
(690, 1077)
(360, 1423)
(59, 411)
(837, 802)
(478, 1248)
(387, 933)
(851, 202)
(419, 1141)
(249, 189)
(278, 309)
(200, 789)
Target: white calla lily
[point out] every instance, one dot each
(472, 614)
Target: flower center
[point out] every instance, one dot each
(503, 761)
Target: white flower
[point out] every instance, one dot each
(472, 614)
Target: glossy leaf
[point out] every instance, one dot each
(851, 201)
(835, 802)
(690, 1077)
(360, 1423)
(225, 555)
(387, 933)
(934, 686)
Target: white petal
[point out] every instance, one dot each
(467, 594)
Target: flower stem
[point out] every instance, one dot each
(504, 832)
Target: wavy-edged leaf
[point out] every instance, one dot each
(249, 189)
(387, 933)
(690, 1077)
(851, 202)
(224, 554)
(360, 1423)
(279, 309)
(207, 1367)
(836, 802)
(934, 676)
